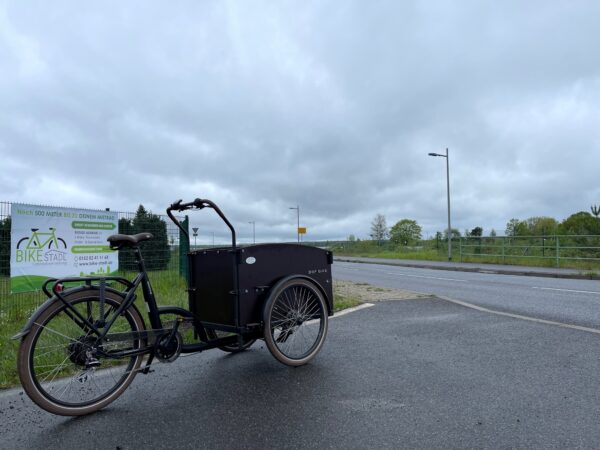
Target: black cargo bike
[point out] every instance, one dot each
(82, 348)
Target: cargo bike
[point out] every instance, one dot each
(82, 348)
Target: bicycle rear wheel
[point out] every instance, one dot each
(62, 366)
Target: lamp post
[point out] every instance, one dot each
(448, 191)
(297, 208)
(253, 231)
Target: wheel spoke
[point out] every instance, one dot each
(297, 322)
(69, 367)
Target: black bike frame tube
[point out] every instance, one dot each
(129, 299)
(148, 292)
(186, 348)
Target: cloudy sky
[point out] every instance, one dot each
(333, 106)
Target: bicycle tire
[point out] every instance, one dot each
(295, 321)
(21, 240)
(59, 239)
(54, 335)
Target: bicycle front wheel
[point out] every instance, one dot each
(62, 365)
(295, 318)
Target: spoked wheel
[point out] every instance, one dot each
(295, 318)
(62, 366)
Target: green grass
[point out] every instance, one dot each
(341, 302)
(367, 249)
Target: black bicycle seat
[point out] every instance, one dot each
(128, 240)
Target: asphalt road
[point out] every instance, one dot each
(422, 373)
(564, 300)
(407, 374)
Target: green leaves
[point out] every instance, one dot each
(405, 232)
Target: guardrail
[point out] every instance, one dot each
(555, 248)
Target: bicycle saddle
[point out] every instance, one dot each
(118, 241)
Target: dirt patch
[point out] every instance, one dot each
(368, 293)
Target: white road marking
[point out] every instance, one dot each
(424, 276)
(518, 316)
(565, 290)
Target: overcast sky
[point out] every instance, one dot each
(331, 105)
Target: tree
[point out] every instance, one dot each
(581, 223)
(595, 211)
(541, 226)
(156, 252)
(493, 233)
(405, 231)
(351, 238)
(379, 229)
(476, 232)
(455, 234)
(5, 246)
(515, 227)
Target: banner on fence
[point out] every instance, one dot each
(58, 242)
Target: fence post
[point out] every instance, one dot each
(557, 252)
(184, 248)
(503, 254)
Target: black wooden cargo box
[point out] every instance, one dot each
(216, 274)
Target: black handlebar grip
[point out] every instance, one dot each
(175, 205)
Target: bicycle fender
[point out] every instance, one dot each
(44, 306)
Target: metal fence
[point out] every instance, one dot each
(576, 251)
(556, 250)
(166, 265)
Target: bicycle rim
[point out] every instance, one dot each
(63, 368)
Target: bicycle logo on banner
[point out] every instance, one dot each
(41, 240)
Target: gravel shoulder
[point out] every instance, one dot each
(369, 294)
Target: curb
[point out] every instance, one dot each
(475, 269)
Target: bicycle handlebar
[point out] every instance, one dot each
(198, 204)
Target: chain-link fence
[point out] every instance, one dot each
(166, 265)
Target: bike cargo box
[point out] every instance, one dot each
(259, 267)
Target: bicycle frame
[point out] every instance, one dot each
(101, 329)
(36, 236)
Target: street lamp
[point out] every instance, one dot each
(253, 231)
(448, 191)
(297, 208)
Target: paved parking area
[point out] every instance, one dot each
(419, 373)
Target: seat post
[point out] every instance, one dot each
(147, 290)
(139, 259)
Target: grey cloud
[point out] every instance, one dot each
(333, 106)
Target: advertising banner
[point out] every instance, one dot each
(48, 242)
